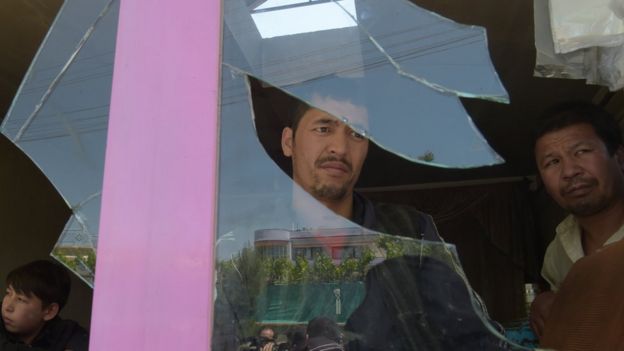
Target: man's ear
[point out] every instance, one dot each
(50, 311)
(287, 141)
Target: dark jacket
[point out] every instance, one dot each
(57, 335)
(393, 219)
(418, 303)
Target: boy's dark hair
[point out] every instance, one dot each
(579, 112)
(46, 280)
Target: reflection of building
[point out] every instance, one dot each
(81, 259)
(337, 243)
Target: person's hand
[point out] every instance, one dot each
(540, 309)
(268, 346)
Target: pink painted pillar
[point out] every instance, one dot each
(154, 281)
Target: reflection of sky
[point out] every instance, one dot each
(306, 18)
(406, 117)
(407, 74)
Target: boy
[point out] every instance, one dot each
(35, 294)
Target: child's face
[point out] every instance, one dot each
(22, 315)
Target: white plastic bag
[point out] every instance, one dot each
(578, 24)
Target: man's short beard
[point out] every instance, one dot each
(588, 208)
(590, 205)
(328, 192)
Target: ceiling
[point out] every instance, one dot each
(507, 127)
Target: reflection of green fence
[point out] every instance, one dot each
(298, 303)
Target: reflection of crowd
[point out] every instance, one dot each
(321, 334)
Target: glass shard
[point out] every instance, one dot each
(406, 66)
(283, 258)
(59, 117)
(392, 75)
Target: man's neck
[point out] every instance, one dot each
(308, 212)
(598, 228)
(342, 207)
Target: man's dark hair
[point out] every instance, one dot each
(46, 280)
(267, 328)
(297, 112)
(579, 112)
(323, 326)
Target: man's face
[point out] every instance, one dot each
(327, 155)
(578, 171)
(24, 316)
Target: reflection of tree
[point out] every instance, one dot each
(280, 270)
(351, 269)
(77, 258)
(322, 269)
(395, 246)
(300, 271)
(354, 269)
(239, 281)
(392, 246)
(428, 156)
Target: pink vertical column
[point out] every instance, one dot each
(153, 286)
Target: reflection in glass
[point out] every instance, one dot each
(393, 74)
(59, 119)
(283, 258)
(405, 65)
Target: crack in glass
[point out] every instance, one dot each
(406, 66)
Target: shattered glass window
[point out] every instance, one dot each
(316, 83)
(59, 118)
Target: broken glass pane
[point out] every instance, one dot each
(378, 274)
(284, 258)
(60, 116)
(406, 66)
